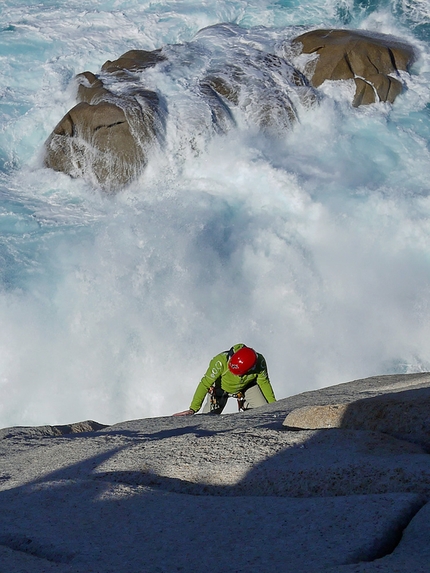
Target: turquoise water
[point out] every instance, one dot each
(310, 245)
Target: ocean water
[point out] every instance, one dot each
(310, 244)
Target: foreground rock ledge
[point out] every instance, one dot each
(148, 495)
(108, 136)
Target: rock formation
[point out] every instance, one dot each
(62, 430)
(373, 61)
(108, 136)
(234, 493)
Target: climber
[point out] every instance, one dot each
(240, 373)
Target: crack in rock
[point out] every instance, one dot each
(33, 547)
(386, 544)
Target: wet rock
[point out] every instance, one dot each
(91, 89)
(134, 61)
(225, 87)
(222, 117)
(254, 87)
(108, 136)
(104, 138)
(96, 142)
(373, 61)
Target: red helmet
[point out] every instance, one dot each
(242, 361)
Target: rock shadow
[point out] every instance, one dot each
(404, 415)
(82, 524)
(327, 497)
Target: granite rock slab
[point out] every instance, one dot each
(238, 492)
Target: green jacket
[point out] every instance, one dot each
(219, 374)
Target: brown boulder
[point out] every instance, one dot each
(104, 138)
(107, 137)
(370, 59)
(134, 61)
(95, 141)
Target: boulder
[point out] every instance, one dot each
(404, 415)
(96, 141)
(108, 135)
(106, 138)
(134, 61)
(373, 61)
